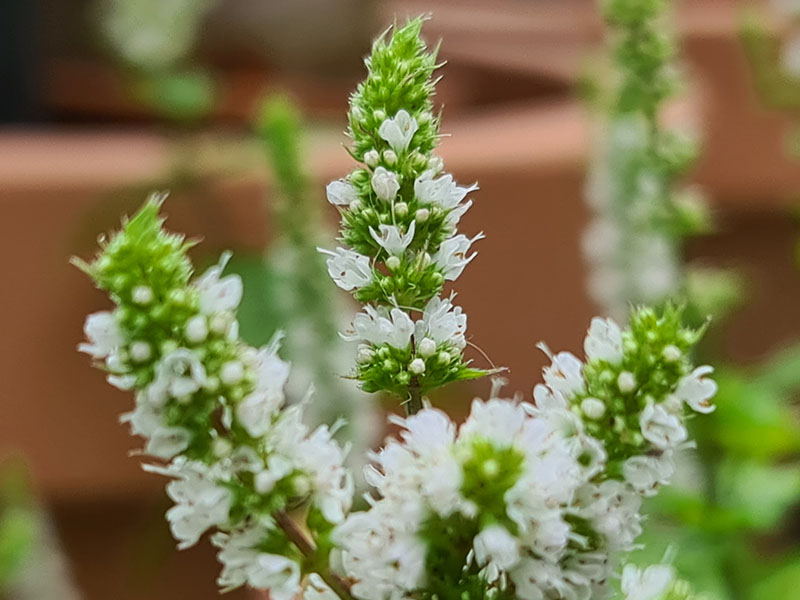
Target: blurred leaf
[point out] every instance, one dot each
(779, 583)
(180, 95)
(753, 418)
(781, 374)
(760, 493)
(17, 530)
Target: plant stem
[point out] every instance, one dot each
(338, 584)
(414, 403)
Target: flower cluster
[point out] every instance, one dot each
(533, 500)
(210, 405)
(634, 240)
(399, 217)
(632, 392)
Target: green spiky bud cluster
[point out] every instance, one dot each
(656, 355)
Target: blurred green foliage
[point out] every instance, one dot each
(17, 521)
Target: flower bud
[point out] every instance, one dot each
(417, 366)
(426, 347)
(593, 408)
(626, 382)
(393, 263)
(422, 215)
(401, 209)
(371, 158)
(140, 351)
(232, 372)
(389, 157)
(196, 329)
(142, 295)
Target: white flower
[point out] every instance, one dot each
(646, 473)
(399, 130)
(442, 191)
(496, 420)
(379, 326)
(603, 341)
(272, 373)
(565, 374)
(452, 255)
(179, 374)
(340, 193)
(385, 184)
(441, 323)
(652, 583)
(496, 547)
(392, 239)
(200, 503)
(317, 589)
(244, 564)
(256, 411)
(661, 428)
(696, 391)
(613, 508)
(166, 442)
(104, 335)
(218, 294)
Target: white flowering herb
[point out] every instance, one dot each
(640, 215)
(529, 500)
(400, 219)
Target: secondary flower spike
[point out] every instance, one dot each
(399, 217)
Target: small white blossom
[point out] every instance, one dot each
(441, 323)
(604, 341)
(646, 473)
(104, 335)
(340, 193)
(565, 374)
(662, 429)
(652, 583)
(179, 374)
(219, 294)
(452, 255)
(392, 239)
(442, 191)
(380, 326)
(696, 391)
(495, 547)
(244, 564)
(385, 184)
(200, 502)
(348, 269)
(166, 442)
(399, 130)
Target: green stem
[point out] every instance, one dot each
(338, 584)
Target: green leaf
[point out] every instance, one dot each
(760, 493)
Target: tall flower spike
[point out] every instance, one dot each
(641, 216)
(399, 216)
(213, 407)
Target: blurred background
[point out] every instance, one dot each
(105, 100)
